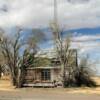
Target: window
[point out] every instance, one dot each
(45, 74)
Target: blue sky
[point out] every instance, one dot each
(80, 17)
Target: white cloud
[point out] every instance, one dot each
(86, 43)
(86, 38)
(39, 13)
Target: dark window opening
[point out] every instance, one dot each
(45, 74)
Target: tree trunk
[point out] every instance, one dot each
(13, 79)
(63, 76)
(21, 75)
(19, 79)
(0, 71)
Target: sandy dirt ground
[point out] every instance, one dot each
(8, 92)
(47, 95)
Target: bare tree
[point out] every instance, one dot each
(10, 50)
(33, 42)
(10, 47)
(2, 61)
(66, 55)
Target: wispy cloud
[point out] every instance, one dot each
(79, 1)
(86, 38)
(39, 13)
(86, 43)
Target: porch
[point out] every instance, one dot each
(41, 77)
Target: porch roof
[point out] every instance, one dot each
(46, 67)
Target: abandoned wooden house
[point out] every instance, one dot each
(45, 76)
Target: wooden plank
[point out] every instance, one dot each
(39, 85)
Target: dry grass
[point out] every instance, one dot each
(97, 79)
(5, 85)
